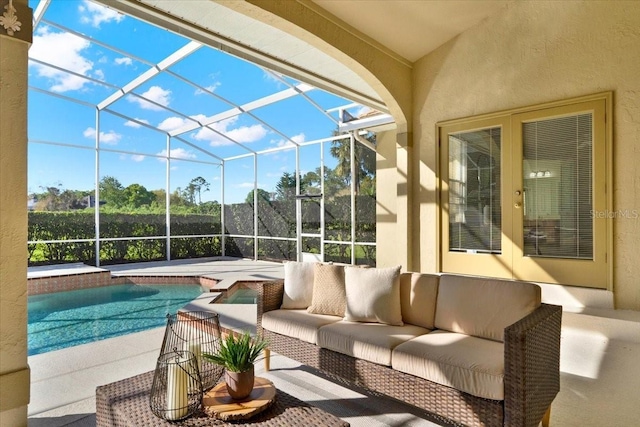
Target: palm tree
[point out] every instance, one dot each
(364, 157)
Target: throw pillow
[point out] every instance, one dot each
(373, 295)
(298, 284)
(328, 290)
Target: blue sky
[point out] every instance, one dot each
(131, 149)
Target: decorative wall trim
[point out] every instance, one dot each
(16, 20)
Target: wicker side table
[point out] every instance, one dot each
(126, 403)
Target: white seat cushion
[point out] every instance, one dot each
(470, 364)
(368, 341)
(296, 323)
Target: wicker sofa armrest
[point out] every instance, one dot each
(532, 365)
(269, 298)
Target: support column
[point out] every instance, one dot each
(14, 370)
(393, 196)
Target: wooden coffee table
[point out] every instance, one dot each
(126, 403)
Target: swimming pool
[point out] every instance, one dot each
(66, 319)
(241, 296)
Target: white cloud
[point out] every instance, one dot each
(109, 138)
(99, 74)
(137, 157)
(123, 61)
(133, 124)
(210, 88)
(242, 134)
(299, 138)
(63, 50)
(269, 77)
(172, 123)
(155, 94)
(177, 153)
(96, 14)
(247, 133)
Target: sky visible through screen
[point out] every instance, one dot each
(133, 153)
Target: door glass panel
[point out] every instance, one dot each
(557, 173)
(474, 191)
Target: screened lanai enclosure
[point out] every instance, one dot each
(145, 144)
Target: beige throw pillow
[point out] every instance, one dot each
(373, 295)
(328, 290)
(298, 284)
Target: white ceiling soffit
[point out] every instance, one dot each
(412, 28)
(211, 23)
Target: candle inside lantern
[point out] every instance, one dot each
(177, 399)
(193, 370)
(196, 349)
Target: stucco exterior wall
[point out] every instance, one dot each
(530, 53)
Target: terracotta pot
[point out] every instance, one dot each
(239, 384)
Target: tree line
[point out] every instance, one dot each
(115, 197)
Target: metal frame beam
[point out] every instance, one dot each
(175, 57)
(172, 23)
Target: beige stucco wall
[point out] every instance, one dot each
(534, 52)
(14, 372)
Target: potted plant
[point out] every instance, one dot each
(237, 354)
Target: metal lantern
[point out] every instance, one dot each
(176, 392)
(197, 332)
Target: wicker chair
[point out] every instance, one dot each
(531, 377)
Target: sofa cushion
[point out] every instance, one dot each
(296, 323)
(470, 364)
(373, 295)
(483, 307)
(418, 293)
(328, 290)
(368, 341)
(298, 284)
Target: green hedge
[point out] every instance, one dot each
(275, 219)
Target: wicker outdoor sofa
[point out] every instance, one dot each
(520, 391)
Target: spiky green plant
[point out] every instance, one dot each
(237, 354)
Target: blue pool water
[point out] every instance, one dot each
(242, 296)
(65, 319)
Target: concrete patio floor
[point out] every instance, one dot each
(600, 373)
